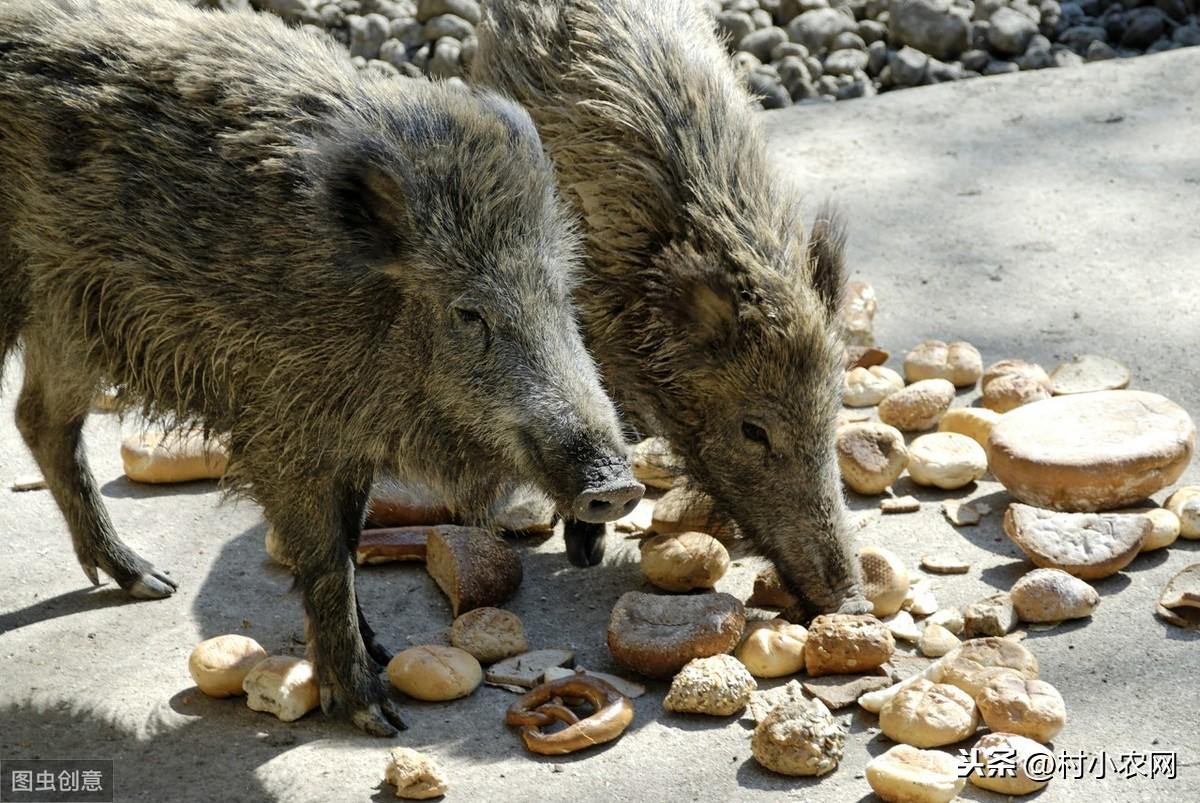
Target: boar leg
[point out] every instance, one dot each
(50, 415)
(318, 522)
(353, 511)
(585, 542)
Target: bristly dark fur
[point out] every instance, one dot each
(713, 319)
(345, 273)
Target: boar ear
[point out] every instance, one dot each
(373, 208)
(827, 258)
(708, 308)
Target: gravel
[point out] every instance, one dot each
(794, 51)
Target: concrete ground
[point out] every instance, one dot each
(1036, 215)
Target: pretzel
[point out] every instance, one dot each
(544, 705)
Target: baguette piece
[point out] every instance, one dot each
(390, 544)
(473, 568)
(158, 458)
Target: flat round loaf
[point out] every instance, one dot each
(1087, 545)
(1087, 374)
(1091, 451)
(657, 635)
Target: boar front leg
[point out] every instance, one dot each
(318, 523)
(51, 409)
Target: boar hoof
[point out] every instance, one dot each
(151, 585)
(585, 543)
(379, 719)
(856, 605)
(132, 572)
(373, 712)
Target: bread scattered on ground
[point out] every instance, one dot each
(844, 644)
(684, 509)
(282, 685)
(991, 616)
(539, 708)
(1029, 370)
(769, 591)
(1052, 595)
(719, 686)
(1010, 391)
(772, 649)
(434, 672)
(1185, 504)
(927, 714)
(1002, 760)
(1091, 451)
(871, 456)
(220, 664)
(489, 634)
(527, 669)
(415, 775)
(473, 568)
(974, 422)
(1164, 527)
(903, 627)
(949, 618)
(944, 564)
(899, 504)
(1088, 545)
(392, 545)
(946, 460)
(655, 465)
(626, 687)
(884, 579)
(1087, 374)
(936, 641)
(655, 635)
(797, 738)
(866, 387)
(919, 406)
(683, 561)
(957, 362)
(968, 665)
(1013, 703)
(176, 456)
(919, 600)
(905, 774)
(1179, 602)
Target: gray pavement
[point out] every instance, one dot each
(1036, 215)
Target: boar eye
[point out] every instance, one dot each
(754, 432)
(468, 315)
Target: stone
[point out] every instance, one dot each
(433, 672)
(444, 25)
(794, 739)
(816, 29)
(772, 649)
(877, 57)
(769, 90)
(489, 634)
(842, 644)
(407, 32)
(1000, 761)
(527, 669)
(1037, 55)
(1090, 546)
(872, 31)
(1052, 595)
(1099, 50)
(762, 43)
(909, 68)
(1142, 27)
(931, 26)
(905, 774)
(1179, 602)
(884, 579)
(656, 635)
(282, 685)
(1011, 703)
(840, 691)
(871, 456)
(719, 686)
(1185, 504)
(936, 641)
(1088, 373)
(1091, 451)
(1010, 31)
(219, 665)
(734, 26)
(919, 406)
(467, 9)
(990, 616)
(975, 60)
(1080, 37)
(848, 41)
(946, 460)
(415, 775)
(1186, 35)
(866, 387)
(367, 34)
(845, 62)
(974, 422)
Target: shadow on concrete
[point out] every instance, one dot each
(124, 488)
(71, 602)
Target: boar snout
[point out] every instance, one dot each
(609, 500)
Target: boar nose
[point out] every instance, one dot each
(608, 502)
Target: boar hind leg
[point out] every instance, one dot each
(585, 542)
(318, 525)
(50, 416)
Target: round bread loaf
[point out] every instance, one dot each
(657, 635)
(1091, 451)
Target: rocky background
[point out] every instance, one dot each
(794, 51)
